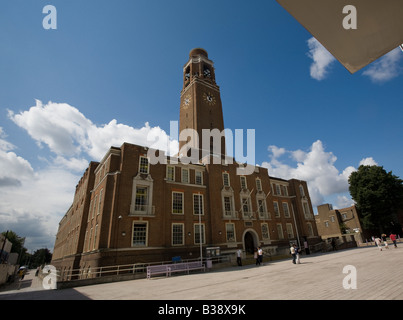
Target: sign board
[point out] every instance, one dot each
(355, 32)
(213, 252)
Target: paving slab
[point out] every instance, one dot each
(378, 275)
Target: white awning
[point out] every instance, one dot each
(379, 27)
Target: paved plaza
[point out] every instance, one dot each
(379, 276)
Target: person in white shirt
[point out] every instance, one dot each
(260, 255)
(239, 257)
(292, 251)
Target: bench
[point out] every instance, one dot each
(187, 266)
(159, 269)
(179, 267)
(196, 265)
(167, 269)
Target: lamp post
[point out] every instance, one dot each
(200, 230)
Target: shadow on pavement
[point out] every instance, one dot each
(64, 294)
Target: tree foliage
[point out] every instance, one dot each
(378, 195)
(38, 258)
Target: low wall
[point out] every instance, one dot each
(6, 270)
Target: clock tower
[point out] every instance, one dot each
(201, 106)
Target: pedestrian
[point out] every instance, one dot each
(385, 241)
(239, 257)
(297, 252)
(260, 255)
(256, 257)
(21, 274)
(393, 238)
(378, 243)
(292, 251)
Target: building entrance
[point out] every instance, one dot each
(249, 242)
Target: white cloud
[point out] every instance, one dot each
(34, 209)
(385, 68)
(32, 201)
(322, 59)
(315, 166)
(368, 162)
(343, 202)
(70, 135)
(13, 166)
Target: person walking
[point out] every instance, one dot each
(21, 274)
(260, 255)
(297, 252)
(378, 243)
(393, 238)
(256, 257)
(385, 241)
(239, 257)
(292, 251)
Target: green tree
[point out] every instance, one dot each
(378, 195)
(41, 257)
(17, 244)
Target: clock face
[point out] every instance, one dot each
(209, 97)
(186, 101)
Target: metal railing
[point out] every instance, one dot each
(126, 269)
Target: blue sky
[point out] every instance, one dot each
(112, 72)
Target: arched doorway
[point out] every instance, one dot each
(250, 241)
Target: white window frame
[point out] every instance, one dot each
(95, 237)
(143, 207)
(147, 183)
(141, 165)
(226, 174)
(198, 202)
(173, 173)
(100, 201)
(183, 202)
(244, 184)
(248, 204)
(183, 179)
(290, 230)
(228, 214)
(259, 184)
(182, 225)
(280, 231)
(262, 209)
(233, 239)
(286, 209)
(146, 234)
(278, 189)
(301, 190)
(199, 175)
(265, 235)
(197, 238)
(277, 213)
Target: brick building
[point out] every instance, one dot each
(343, 224)
(128, 210)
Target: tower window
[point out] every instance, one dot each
(206, 72)
(187, 74)
(144, 167)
